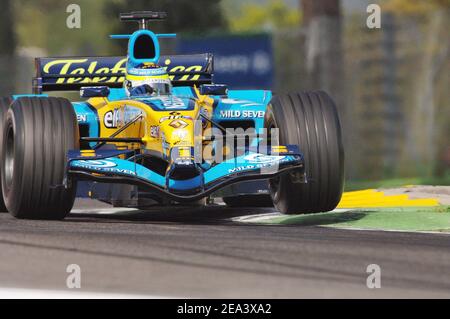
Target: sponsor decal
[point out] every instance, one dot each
(169, 103)
(172, 102)
(183, 162)
(149, 65)
(181, 143)
(155, 131)
(117, 118)
(178, 124)
(103, 166)
(130, 113)
(184, 152)
(79, 67)
(241, 114)
(249, 167)
(82, 118)
(180, 134)
(241, 168)
(102, 67)
(174, 116)
(261, 158)
(97, 164)
(111, 119)
(260, 161)
(180, 137)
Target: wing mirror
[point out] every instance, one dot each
(94, 91)
(214, 89)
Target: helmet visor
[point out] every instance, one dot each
(161, 88)
(158, 87)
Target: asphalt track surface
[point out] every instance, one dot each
(201, 253)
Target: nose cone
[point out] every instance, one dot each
(183, 172)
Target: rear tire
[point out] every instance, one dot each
(309, 120)
(5, 102)
(38, 132)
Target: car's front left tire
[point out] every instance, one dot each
(37, 134)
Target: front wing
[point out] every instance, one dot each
(106, 166)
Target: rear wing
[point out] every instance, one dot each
(72, 73)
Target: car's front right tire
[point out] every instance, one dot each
(309, 120)
(38, 132)
(4, 105)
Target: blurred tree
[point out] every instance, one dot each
(7, 47)
(7, 29)
(42, 24)
(324, 57)
(32, 21)
(408, 7)
(428, 113)
(322, 20)
(424, 146)
(320, 8)
(184, 16)
(275, 14)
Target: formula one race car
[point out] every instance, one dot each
(155, 130)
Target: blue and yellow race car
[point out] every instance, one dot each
(156, 130)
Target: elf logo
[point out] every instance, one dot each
(111, 119)
(174, 116)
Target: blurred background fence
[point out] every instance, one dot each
(391, 85)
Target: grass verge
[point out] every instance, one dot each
(403, 219)
(399, 182)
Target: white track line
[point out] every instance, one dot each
(255, 218)
(263, 217)
(447, 232)
(104, 211)
(20, 293)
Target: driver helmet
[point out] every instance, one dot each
(147, 79)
